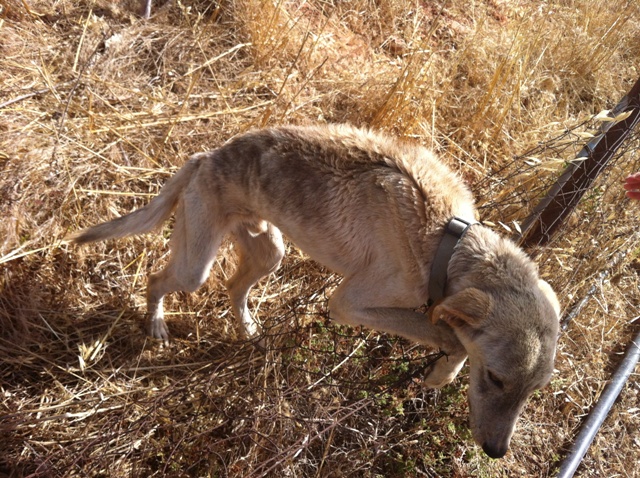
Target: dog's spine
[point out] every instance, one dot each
(147, 218)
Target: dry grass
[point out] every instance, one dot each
(98, 108)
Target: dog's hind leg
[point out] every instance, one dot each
(260, 252)
(196, 237)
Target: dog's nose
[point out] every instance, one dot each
(495, 451)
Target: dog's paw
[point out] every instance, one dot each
(444, 371)
(158, 330)
(249, 329)
(260, 343)
(437, 380)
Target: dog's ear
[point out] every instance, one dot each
(551, 296)
(469, 306)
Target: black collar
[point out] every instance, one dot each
(454, 231)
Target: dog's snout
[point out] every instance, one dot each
(495, 451)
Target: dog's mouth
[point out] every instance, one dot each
(494, 447)
(492, 435)
(495, 451)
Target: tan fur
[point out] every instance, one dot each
(372, 209)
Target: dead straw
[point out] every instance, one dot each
(504, 91)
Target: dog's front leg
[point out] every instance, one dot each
(446, 369)
(417, 327)
(346, 307)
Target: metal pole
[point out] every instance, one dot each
(599, 412)
(146, 9)
(563, 197)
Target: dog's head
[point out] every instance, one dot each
(510, 335)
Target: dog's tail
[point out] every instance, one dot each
(147, 218)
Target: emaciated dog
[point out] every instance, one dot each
(395, 222)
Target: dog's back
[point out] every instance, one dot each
(339, 182)
(298, 166)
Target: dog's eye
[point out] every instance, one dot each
(495, 380)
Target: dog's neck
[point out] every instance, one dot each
(484, 257)
(455, 230)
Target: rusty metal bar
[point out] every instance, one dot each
(578, 176)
